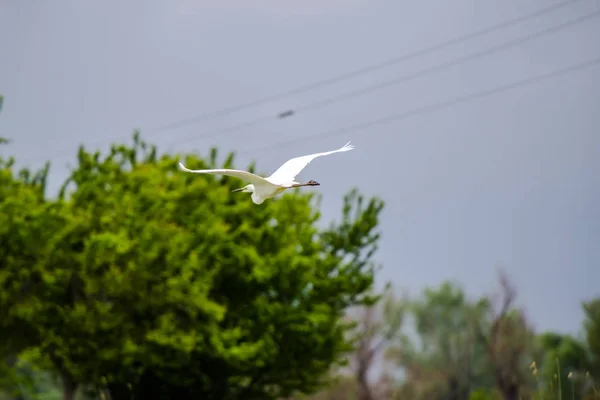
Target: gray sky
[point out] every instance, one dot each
(508, 180)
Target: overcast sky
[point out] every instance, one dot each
(506, 178)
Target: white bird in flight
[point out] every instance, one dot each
(282, 179)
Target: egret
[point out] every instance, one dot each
(282, 179)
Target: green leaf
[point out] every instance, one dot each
(142, 275)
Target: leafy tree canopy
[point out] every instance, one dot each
(147, 280)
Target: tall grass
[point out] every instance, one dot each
(553, 390)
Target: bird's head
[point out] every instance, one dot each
(245, 189)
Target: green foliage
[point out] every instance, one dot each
(569, 365)
(139, 276)
(571, 368)
(484, 394)
(591, 326)
(446, 358)
(22, 234)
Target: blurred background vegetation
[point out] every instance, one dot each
(141, 282)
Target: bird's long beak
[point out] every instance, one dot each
(237, 190)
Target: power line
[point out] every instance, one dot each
(453, 63)
(431, 108)
(364, 70)
(385, 84)
(220, 132)
(381, 85)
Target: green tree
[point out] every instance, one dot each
(509, 344)
(591, 326)
(160, 284)
(22, 232)
(464, 348)
(378, 326)
(566, 358)
(446, 359)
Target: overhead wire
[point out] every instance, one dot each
(429, 108)
(395, 81)
(381, 85)
(367, 69)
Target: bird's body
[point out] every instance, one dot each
(282, 179)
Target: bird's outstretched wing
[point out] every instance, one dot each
(291, 168)
(247, 176)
